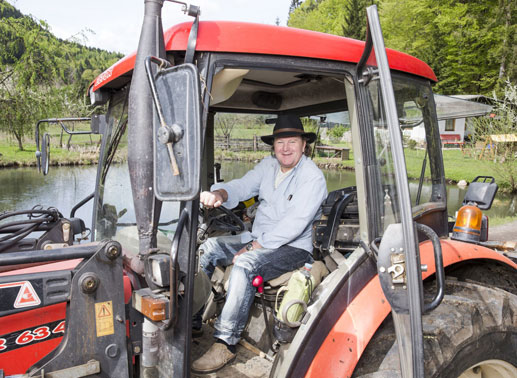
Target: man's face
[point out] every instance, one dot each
(288, 151)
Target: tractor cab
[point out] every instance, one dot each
(122, 305)
(253, 83)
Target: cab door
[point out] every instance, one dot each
(388, 188)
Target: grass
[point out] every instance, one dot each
(82, 151)
(497, 221)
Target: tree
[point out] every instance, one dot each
(355, 19)
(470, 45)
(224, 124)
(464, 42)
(42, 76)
(294, 4)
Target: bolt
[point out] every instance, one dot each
(89, 282)
(112, 252)
(119, 319)
(424, 267)
(137, 349)
(111, 350)
(382, 269)
(404, 287)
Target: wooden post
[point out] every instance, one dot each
(255, 146)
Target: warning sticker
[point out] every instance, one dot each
(104, 318)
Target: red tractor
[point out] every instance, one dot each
(407, 293)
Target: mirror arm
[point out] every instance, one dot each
(166, 134)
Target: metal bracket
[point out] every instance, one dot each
(398, 268)
(89, 368)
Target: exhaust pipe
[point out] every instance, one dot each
(140, 138)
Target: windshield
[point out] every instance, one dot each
(115, 215)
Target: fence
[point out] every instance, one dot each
(237, 144)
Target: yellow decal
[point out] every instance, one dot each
(104, 318)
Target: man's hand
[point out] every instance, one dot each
(256, 245)
(213, 199)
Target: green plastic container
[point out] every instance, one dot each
(297, 294)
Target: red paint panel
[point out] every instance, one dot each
(239, 37)
(17, 361)
(44, 267)
(346, 342)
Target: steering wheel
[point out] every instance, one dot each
(222, 219)
(217, 220)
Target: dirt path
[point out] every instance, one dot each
(504, 232)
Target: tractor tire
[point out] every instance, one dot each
(472, 333)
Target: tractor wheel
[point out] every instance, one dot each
(473, 333)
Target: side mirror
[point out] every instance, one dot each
(177, 132)
(98, 123)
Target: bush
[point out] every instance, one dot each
(336, 133)
(411, 143)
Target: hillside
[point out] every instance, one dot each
(41, 75)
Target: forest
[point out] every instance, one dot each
(470, 45)
(42, 76)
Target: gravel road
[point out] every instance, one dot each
(504, 232)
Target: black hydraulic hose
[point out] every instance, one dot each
(37, 218)
(33, 212)
(20, 235)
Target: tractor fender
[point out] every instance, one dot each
(342, 348)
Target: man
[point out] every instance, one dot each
(291, 189)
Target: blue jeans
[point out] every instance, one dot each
(268, 263)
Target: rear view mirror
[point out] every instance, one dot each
(177, 131)
(97, 126)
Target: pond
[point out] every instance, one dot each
(63, 187)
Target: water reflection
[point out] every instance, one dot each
(63, 187)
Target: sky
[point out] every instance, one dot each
(114, 25)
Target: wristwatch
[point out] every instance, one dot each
(249, 246)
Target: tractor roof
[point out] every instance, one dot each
(239, 37)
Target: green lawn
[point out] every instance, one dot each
(82, 151)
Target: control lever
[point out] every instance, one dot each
(168, 135)
(258, 282)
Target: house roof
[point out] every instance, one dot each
(458, 106)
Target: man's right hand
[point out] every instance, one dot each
(213, 199)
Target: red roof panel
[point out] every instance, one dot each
(239, 37)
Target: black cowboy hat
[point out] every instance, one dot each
(288, 125)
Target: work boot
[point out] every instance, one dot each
(214, 359)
